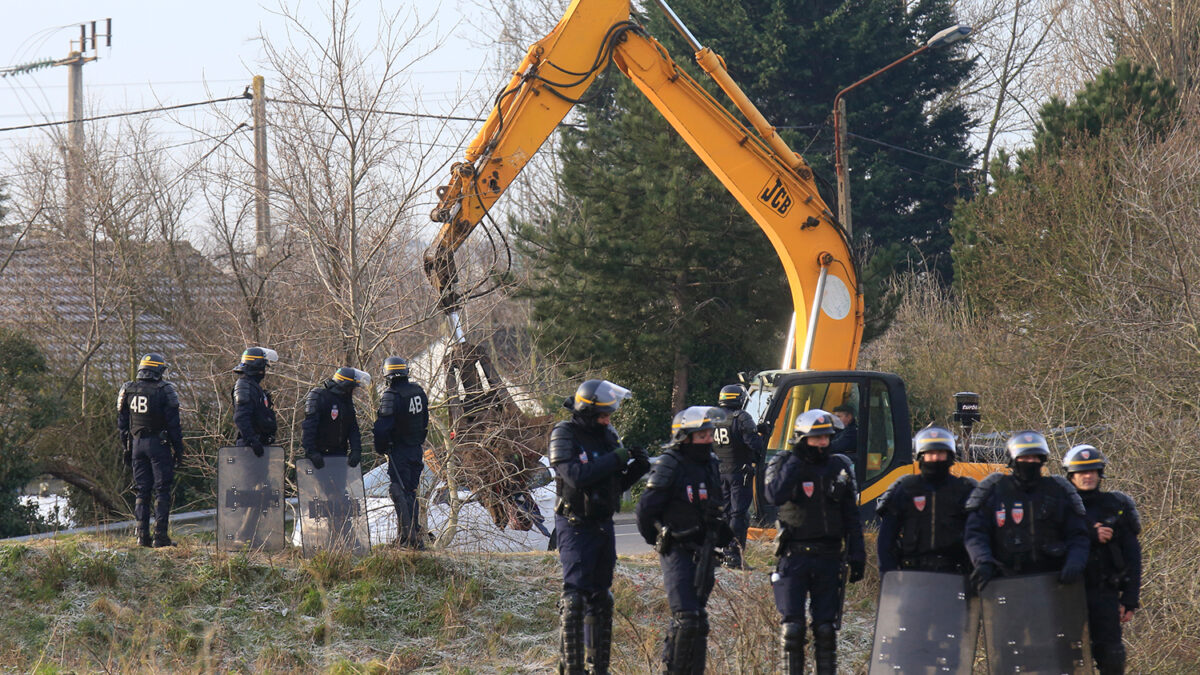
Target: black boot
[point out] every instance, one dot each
(142, 514)
(1110, 658)
(825, 648)
(597, 634)
(570, 636)
(684, 641)
(791, 640)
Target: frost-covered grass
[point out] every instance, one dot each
(95, 605)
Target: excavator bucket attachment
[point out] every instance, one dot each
(497, 447)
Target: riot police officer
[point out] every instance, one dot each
(148, 419)
(819, 523)
(1026, 523)
(740, 449)
(922, 516)
(330, 424)
(1113, 575)
(400, 429)
(592, 468)
(680, 513)
(253, 413)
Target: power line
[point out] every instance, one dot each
(912, 152)
(373, 111)
(128, 114)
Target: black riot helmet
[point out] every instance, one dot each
(152, 366)
(347, 378)
(394, 368)
(733, 397)
(255, 360)
(934, 438)
(1084, 458)
(693, 419)
(594, 398)
(1027, 444)
(815, 422)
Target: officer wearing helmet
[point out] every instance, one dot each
(740, 450)
(819, 523)
(148, 419)
(1113, 575)
(591, 470)
(330, 424)
(922, 516)
(1024, 522)
(401, 426)
(253, 413)
(680, 508)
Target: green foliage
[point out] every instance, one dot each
(27, 405)
(1121, 93)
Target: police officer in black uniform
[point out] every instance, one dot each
(253, 413)
(740, 449)
(922, 516)
(400, 429)
(1113, 576)
(592, 468)
(148, 419)
(819, 523)
(1026, 523)
(330, 424)
(680, 513)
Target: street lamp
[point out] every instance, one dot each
(942, 38)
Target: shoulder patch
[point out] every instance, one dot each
(663, 473)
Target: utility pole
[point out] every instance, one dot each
(262, 206)
(74, 62)
(843, 178)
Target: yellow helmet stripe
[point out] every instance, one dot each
(584, 400)
(395, 366)
(821, 426)
(1022, 446)
(251, 357)
(148, 362)
(342, 378)
(1084, 461)
(730, 395)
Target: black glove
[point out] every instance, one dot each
(622, 454)
(354, 459)
(857, 569)
(257, 447)
(1071, 572)
(639, 454)
(984, 573)
(763, 428)
(317, 459)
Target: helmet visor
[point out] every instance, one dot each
(609, 397)
(361, 377)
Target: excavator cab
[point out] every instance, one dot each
(879, 440)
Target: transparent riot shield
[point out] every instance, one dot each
(250, 499)
(1033, 624)
(927, 624)
(333, 507)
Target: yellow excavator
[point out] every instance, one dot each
(773, 183)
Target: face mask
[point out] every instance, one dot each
(810, 453)
(1027, 472)
(935, 470)
(696, 451)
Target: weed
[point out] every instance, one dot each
(312, 602)
(329, 567)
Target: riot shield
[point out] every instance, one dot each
(333, 507)
(250, 499)
(927, 624)
(1033, 624)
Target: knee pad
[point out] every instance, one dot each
(824, 634)
(396, 491)
(601, 602)
(792, 636)
(571, 603)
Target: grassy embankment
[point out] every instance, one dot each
(95, 605)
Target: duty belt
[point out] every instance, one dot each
(813, 547)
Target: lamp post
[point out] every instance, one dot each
(942, 38)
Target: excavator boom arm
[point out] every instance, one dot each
(771, 182)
